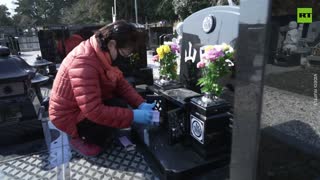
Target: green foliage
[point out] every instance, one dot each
(41, 12)
(184, 8)
(213, 69)
(88, 12)
(5, 19)
(165, 11)
(168, 65)
(148, 11)
(96, 11)
(211, 76)
(46, 12)
(22, 20)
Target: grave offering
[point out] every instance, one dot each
(167, 57)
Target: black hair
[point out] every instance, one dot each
(124, 33)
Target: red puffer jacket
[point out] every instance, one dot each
(84, 80)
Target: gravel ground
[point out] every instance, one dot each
(300, 81)
(292, 114)
(290, 139)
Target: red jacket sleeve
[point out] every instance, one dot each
(86, 88)
(126, 91)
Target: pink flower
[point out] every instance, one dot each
(175, 48)
(155, 58)
(201, 64)
(213, 54)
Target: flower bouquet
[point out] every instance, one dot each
(166, 56)
(215, 63)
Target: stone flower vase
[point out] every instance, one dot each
(208, 97)
(165, 80)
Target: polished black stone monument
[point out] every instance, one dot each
(210, 123)
(171, 145)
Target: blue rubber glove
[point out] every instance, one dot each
(147, 106)
(142, 116)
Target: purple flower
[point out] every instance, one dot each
(214, 54)
(175, 48)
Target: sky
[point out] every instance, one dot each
(9, 4)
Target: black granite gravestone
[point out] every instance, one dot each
(179, 160)
(209, 122)
(224, 29)
(154, 34)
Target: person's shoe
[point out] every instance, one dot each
(84, 148)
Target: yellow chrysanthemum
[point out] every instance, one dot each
(166, 49)
(160, 52)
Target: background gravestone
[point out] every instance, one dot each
(225, 30)
(154, 34)
(48, 44)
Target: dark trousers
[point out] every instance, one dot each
(99, 134)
